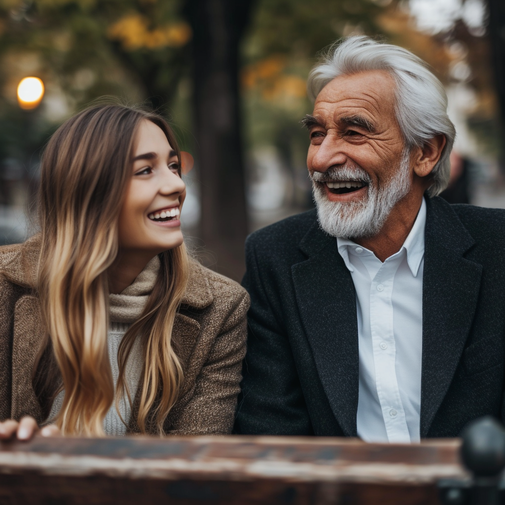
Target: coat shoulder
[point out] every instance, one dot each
(208, 287)
(8, 255)
(18, 262)
(484, 224)
(473, 214)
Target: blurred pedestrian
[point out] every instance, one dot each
(458, 189)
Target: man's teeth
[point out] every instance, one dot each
(164, 214)
(345, 184)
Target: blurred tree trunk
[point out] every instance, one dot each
(497, 36)
(218, 28)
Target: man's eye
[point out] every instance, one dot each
(316, 134)
(352, 133)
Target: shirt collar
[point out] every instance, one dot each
(415, 241)
(414, 244)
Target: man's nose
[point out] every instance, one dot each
(328, 154)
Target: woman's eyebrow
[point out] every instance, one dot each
(152, 156)
(145, 156)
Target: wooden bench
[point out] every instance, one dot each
(224, 470)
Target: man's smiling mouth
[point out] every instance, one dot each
(165, 214)
(343, 187)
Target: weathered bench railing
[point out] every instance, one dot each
(224, 470)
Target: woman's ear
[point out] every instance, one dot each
(427, 156)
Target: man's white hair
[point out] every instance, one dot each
(421, 101)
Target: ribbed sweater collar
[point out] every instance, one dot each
(127, 306)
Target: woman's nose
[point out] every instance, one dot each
(172, 183)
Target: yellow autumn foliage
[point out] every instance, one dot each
(134, 33)
(10, 4)
(272, 78)
(86, 4)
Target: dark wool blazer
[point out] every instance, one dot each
(301, 369)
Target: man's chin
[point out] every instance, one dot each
(352, 219)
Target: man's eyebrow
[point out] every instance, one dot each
(152, 156)
(310, 121)
(358, 121)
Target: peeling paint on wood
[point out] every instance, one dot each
(215, 470)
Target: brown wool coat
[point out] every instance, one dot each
(210, 329)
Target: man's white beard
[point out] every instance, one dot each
(365, 217)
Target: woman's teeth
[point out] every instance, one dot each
(164, 215)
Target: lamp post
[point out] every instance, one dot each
(30, 92)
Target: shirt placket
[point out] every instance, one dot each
(384, 352)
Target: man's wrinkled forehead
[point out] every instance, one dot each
(363, 100)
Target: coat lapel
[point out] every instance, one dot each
(327, 303)
(185, 334)
(450, 295)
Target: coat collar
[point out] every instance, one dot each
(327, 303)
(22, 265)
(21, 262)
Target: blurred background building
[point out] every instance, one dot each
(230, 76)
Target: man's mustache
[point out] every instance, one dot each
(341, 173)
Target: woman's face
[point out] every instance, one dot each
(149, 221)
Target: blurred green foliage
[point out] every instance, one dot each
(138, 50)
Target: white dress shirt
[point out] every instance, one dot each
(389, 311)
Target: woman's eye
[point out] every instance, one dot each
(174, 166)
(144, 171)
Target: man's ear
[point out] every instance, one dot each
(427, 156)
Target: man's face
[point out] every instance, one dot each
(357, 158)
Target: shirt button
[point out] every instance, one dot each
(359, 250)
(393, 413)
(380, 287)
(383, 346)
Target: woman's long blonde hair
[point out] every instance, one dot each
(85, 171)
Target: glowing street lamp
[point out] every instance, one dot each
(30, 92)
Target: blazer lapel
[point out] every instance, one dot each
(450, 295)
(327, 303)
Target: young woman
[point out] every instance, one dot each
(106, 326)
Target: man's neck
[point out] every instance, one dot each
(392, 235)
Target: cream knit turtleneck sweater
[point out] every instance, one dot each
(125, 308)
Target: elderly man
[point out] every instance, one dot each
(383, 314)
